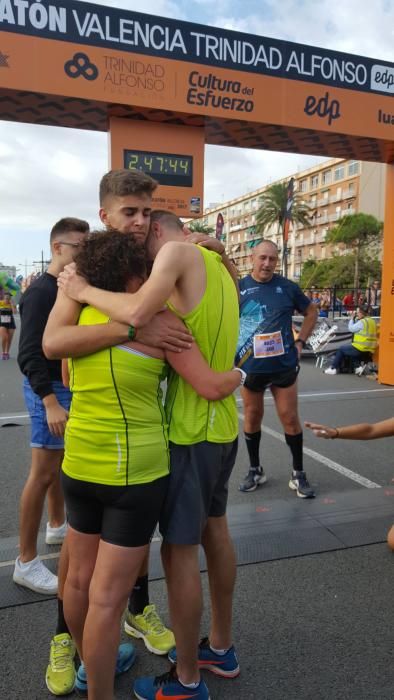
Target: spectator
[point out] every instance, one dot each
(364, 340)
(348, 302)
(374, 298)
(324, 305)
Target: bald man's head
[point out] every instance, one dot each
(265, 259)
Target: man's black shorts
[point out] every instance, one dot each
(198, 489)
(122, 515)
(260, 382)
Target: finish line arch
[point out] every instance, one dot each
(162, 89)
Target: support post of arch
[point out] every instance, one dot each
(386, 340)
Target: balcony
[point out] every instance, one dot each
(323, 202)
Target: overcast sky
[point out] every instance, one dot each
(48, 172)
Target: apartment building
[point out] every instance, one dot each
(333, 189)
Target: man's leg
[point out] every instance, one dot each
(182, 570)
(142, 620)
(60, 673)
(29, 570)
(220, 555)
(3, 336)
(286, 403)
(55, 502)
(44, 471)
(253, 404)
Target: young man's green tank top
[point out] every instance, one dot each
(117, 431)
(214, 323)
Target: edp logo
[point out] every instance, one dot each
(323, 107)
(382, 78)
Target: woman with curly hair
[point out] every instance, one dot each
(116, 464)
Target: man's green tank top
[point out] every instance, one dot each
(117, 431)
(214, 324)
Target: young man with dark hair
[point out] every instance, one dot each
(197, 287)
(47, 402)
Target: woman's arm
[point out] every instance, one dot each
(360, 431)
(194, 369)
(63, 338)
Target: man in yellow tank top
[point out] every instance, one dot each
(199, 288)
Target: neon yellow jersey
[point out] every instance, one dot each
(117, 431)
(214, 324)
(367, 339)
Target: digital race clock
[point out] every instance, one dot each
(167, 168)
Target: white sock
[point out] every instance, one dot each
(219, 652)
(189, 685)
(26, 564)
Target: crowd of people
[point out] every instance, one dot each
(330, 300)
(118, 312)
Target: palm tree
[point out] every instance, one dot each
(198, 227)
(272, 210)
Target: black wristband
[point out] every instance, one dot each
(300, 340)
(131, 333)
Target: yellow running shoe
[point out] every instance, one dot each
(61, 675)
(148, 626)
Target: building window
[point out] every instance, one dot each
(303, 185)
(351, 187)
(314, 181)
(326, 177)
(339, 172)
(353, 167)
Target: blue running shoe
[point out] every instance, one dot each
(126, 658)
(168, 686)
(225, 665)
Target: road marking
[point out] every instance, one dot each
(11, 562)
(19, 415)
(325, 460)
(345, 393)
(53, 555)
(335, 393)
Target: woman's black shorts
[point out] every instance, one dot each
(122, 515)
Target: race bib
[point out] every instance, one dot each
(5, 319)
(268, 344)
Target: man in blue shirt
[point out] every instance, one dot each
(270, 356)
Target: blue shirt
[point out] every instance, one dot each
(267, 308)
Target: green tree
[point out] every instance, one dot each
(358, 232)
(272, 210)
(338, 271)
(198, 227)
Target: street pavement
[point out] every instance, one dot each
(313, 613)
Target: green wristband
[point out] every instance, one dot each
(131, 333)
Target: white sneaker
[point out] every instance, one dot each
(56, 535)
(330, 370)
(35, 575)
